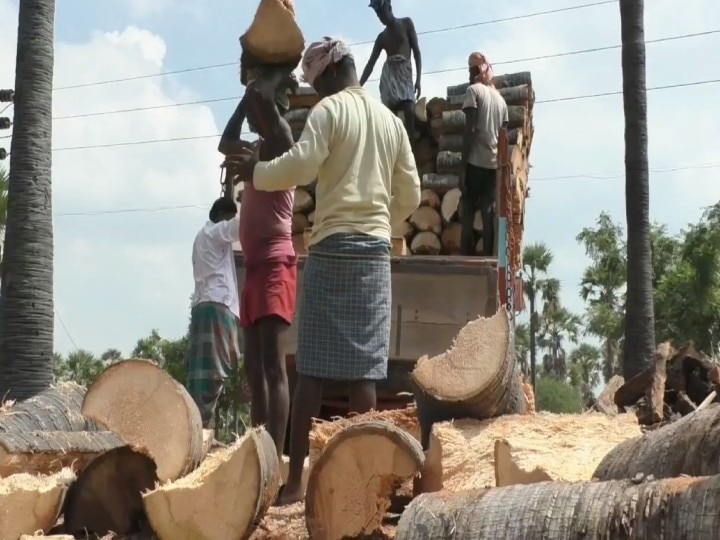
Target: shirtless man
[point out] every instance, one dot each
(267, 304)
(398, 40)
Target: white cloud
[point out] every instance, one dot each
(119, 275)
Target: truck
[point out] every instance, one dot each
(435, 295)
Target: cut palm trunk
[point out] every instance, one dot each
(672, 508)
(688, 446)
(429, 198)
(47, 452)
(426, 219)
(147, 408)
(350, 486)
(107, 495)
(425, 243)
(477, 378)
(450, 238)
(224, 499)
(30, 503)
(450, 205)
(55, 409)
(440, 181)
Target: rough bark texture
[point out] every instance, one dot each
(27, 313)
(453, 122)
(54, 409)
(47, 452)
(688, 446)
(639, 343)
(224, 499)
(676, 508)
(353, 504)
(502, 394)
(606, 400)
(655, 396)
(107, 496)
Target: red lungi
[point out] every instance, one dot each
(270, 288)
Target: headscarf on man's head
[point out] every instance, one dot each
(321, 54)
(478, 59)
(377, 4)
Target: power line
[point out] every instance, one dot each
(423, 33)
(433, 72)
(596, 176)
(545, 101)
(67, 332)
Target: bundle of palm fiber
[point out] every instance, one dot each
(274, 36)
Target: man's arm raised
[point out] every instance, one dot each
(377, 49)
(230, 138)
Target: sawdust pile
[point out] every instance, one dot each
(567, 446)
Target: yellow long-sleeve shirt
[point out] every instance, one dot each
(361, 156)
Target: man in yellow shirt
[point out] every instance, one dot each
(366, 183)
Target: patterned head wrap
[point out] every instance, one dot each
(377, 4)
(321, 54)
(477, 59)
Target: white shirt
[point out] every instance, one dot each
(214, 264)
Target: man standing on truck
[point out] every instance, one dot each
(398, 40)
(366, 181)
(269, 287)
(485, 114)
(213, 349)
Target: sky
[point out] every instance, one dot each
(126, 210)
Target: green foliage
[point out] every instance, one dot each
(522, 347)
(584, 370)
(80, 366)
(170, 355)
(555, 396)
(557, 327)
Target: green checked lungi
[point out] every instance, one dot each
(212, 354)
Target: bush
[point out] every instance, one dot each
(555, 396)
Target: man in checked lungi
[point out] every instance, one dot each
(270, 285)
(366, 182)
(398, 40)
(214, 345)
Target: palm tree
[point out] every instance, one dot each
(639, 344)
(558, 326)
(522, 346)
(3, 206)
(584, 370)
(536, 262)
(26, 293)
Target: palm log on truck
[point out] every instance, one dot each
(55, 409)
(688, 446)
(671, 508)
(476, 378)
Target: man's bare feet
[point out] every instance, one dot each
(289, 495)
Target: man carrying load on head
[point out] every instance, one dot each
(366, 182)
(399, 39)
(267, 304)
(485, 114)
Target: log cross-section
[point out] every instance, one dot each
(350, 486)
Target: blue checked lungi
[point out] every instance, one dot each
(345, 309)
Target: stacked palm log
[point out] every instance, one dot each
(128, 457)
(434, 228)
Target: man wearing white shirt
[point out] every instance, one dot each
(214, 344)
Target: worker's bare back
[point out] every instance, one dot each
(396, 38)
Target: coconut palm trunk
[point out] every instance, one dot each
(639, 343)
(26, 295)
